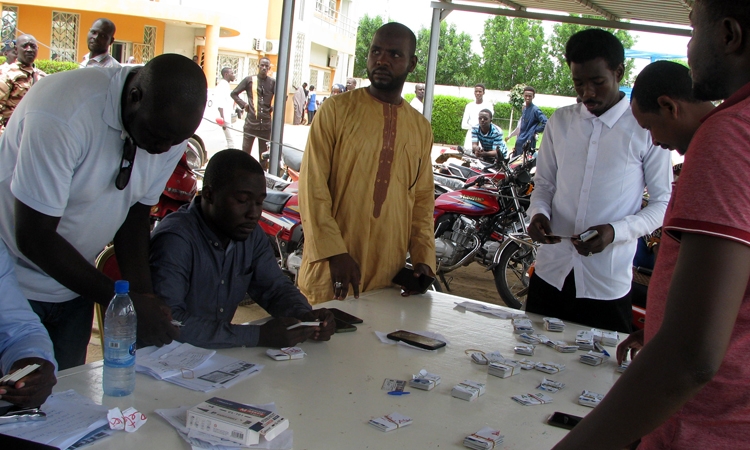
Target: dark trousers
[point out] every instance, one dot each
(310, 115)
(519, 149)
(69, 327)
(546, 300)
(249, 138)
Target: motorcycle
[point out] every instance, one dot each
(180, 190)
(281, 222)
(489, 227)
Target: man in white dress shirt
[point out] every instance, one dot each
(225, 103)
(593, 166)
(471, 113)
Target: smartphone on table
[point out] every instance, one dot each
(344, 316)
(343, 327)
(416, 340)
(563, 420)
(405, 277)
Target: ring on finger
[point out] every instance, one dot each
(338, 285)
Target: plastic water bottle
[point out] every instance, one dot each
(119, 343)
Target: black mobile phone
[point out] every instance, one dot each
(405, 277)
(416, 340)
(344, 316)
(343, 327)
(562, 420)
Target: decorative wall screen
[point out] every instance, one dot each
(314, 78)
(299, 48)
(149, 43)
(64, 35)
(10, 21)
(326, 86)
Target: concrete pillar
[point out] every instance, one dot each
(212, 54)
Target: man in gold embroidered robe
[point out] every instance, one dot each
(366, 188)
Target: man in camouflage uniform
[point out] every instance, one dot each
(9, 51)
(18, 78)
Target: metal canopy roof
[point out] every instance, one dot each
(663, 16)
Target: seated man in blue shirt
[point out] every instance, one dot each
(207, 255)
(23, 341)
(487, 139)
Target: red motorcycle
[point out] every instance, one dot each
(180, 189)
(488, 226)
(282, 224)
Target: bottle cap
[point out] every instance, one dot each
(122, 287)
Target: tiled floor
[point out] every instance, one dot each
(244, 314)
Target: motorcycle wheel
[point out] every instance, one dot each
(512, 274)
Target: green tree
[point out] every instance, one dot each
(514, 52)
(516, 97)
(457, 64)
(560, 82)
(365, 31)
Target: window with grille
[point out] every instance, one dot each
(252, 66)
(326, 81)
(231, 61)
(149, 43)
(64, 40)
(299, 48)
(314, 77)
(10, 21)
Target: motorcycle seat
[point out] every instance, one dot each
(275, 201)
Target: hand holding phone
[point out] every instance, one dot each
(405, 278)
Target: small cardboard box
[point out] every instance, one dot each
(235, 422)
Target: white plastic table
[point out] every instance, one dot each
(330, 395)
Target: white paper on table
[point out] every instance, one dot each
(70, 417)
(220, 371)
(177, 417)
(430, 334)
(171, 360)
(129, 420)
(503, 313)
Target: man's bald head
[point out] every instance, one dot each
(163, 102)
(395, 29)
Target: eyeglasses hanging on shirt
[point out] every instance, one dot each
(126, 164)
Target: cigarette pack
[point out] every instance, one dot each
(526, 350)
(522, 326)
(484, 439)
(608, 338)
(553, 324)
(468, 390)
(549, 367)
(590, 399)
(390, 422)
(550, 386)
(529, 338)
(593, 358)
(564, 347)
(235, 422)
(505, 369)
(424, 380)
(538, 398)
(585, 340)
(526, 364)
(286, 353)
